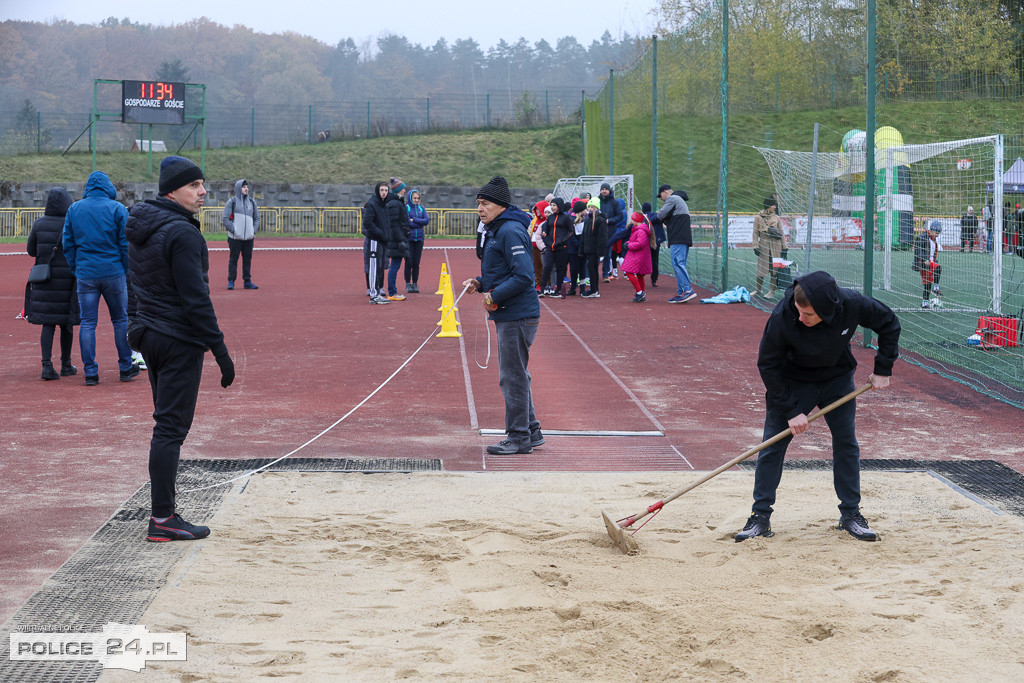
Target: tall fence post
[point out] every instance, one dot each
(723, 174)
(654, 119)
(39, 132)
(309, 129)
(488, 111)
(611, 122)
(869, 166)
(547, 109)
(428, 114)
(810, 201)
(583, 123)
(252, 127)
(367, 119)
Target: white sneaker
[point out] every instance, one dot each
(137, 359)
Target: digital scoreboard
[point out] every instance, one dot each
(152, 102)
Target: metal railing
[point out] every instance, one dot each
(284, 220)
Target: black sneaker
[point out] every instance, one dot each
(536, 439)
(92, 380)
(67, 369)
(175, 529)
(858, 527)
(130, 374)
(508, 447)
(757, 525)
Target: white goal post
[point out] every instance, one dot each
(622, 187)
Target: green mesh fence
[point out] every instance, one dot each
(951, 74)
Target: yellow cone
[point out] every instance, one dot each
(445, 278)
(449, 325)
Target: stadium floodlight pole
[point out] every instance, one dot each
(654, 118)
(723, 183)
(869, 165)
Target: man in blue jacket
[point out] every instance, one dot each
(805, 361)
(506, 279)
(97, 253)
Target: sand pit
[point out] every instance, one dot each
(513, 577)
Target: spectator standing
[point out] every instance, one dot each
(769, 241)
(658, 229)
(97, 254)
(174, 326)
(419, 219)
(376, 228)
(616, 220)
(540, 214)
(637, 262)
(556, 232)
(398, 236)
(53, 303)
(592, 246)
(968, 230)
(241, 219)
(926, 262)
(675, 214)
(506, 279)
(576, 274)
(805, 361)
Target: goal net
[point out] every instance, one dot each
(622, 187)
(954, 185)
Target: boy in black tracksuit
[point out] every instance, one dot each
(376, 229)
(805, 361)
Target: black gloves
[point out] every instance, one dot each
(227, 370)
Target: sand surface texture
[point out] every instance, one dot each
(513, 577)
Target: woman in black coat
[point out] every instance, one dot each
(53, 303)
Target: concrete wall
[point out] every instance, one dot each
(269, 194)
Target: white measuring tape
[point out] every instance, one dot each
(249, 473)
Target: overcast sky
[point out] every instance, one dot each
(422, 22)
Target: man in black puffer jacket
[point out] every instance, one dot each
(174, 326)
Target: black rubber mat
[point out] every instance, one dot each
(989, 480)
(116, 574)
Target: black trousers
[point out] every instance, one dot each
(593, 268)
(175, 369)
(655, 253)
(46, 341)
(845, 449)
(412, 264)
(243, 247)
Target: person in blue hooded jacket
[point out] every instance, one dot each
(805, 361)
(419, 219)
(97, 254)
(507, 281)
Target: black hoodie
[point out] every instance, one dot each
(791, 351)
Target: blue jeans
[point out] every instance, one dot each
(515, 337)
(845, 449)
(114, 291)
(396, 265)
(679, 253)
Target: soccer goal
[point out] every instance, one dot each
(962, 186)
(571, 188)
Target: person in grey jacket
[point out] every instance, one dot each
(675, 214)
(241, 219)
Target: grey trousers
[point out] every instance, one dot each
(515, 337)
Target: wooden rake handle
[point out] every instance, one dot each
(630, 521)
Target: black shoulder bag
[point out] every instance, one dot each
(41, 271)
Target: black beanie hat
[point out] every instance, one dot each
(646, 207)
(822, 291)
(177, 172)
(579, 206)
(496, 191)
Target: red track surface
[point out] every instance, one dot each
(308, 348)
